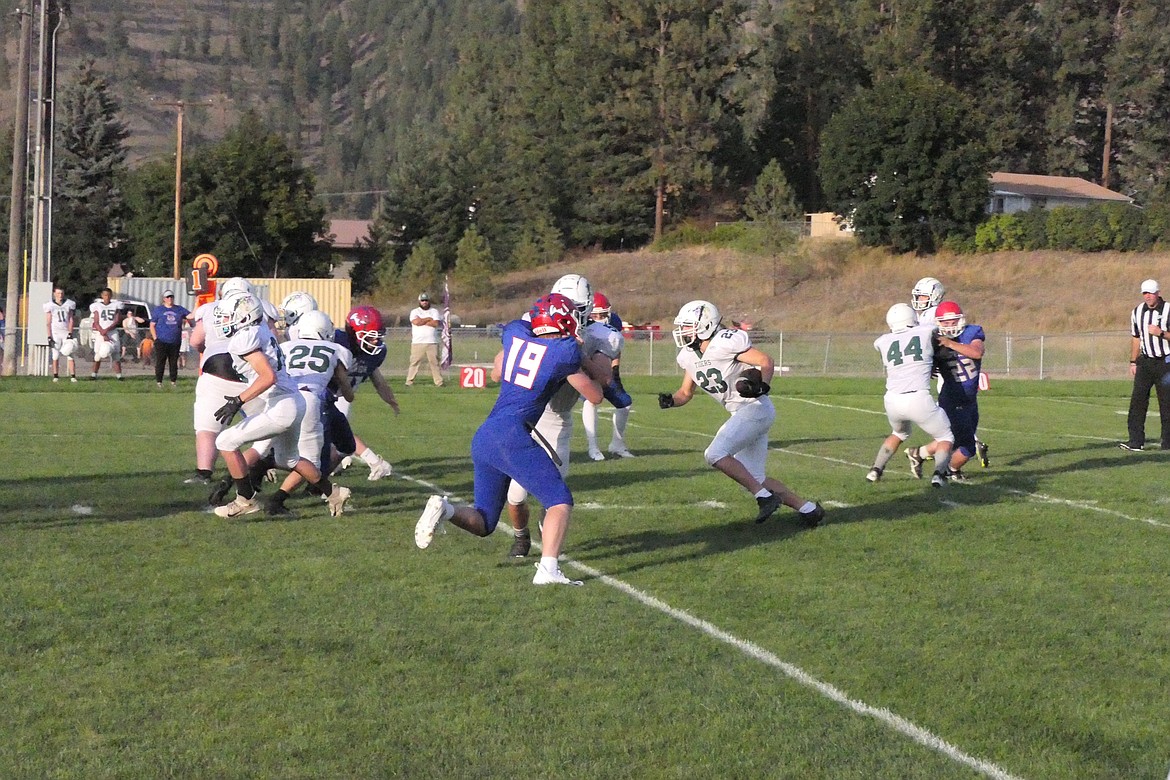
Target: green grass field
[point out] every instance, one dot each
(1014, 626)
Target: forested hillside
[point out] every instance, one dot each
(495, 134)
(341, 80)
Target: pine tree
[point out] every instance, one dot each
(89, 209)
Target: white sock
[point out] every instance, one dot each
(549, 563)
(589, 422)
(370, 458)
(808, 507)
(620, 418)
(763, 493)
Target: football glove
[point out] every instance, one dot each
(665, 400)
(751, 384)
(617, 395)
(226, 412)
(51, 344)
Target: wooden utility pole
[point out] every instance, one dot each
(179, 105)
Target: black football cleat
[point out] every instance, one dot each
(813, 519)
(768, 506)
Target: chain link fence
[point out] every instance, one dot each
(652, 353)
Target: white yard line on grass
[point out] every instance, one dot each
(894, 721)
(982, 428)
(1088, 506)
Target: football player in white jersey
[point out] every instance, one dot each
(602, 312)
(723, 363)
(925, 297)
(316, 363)
(908, 355)
(217, 378)
(59, 317)
(599, 347)
(272, 403)
(106, 344)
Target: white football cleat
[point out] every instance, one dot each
(621, 451)
(337, 500)
(379, 470)
(874, 474)
(241, 506)
(345, 463)
(595, 454)
(555, 577)
(432, 517)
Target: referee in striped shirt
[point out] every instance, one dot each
(1149, 365)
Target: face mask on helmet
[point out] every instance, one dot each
(364, 326)
(554, 315)
(696, 321)
(578, 290)
(316, 326)
(236, 313)
(601, 308)
(901, 317)
(295, 305)
(929, 288)
(950, 319)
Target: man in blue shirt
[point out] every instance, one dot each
(166, 329)
(538, 357)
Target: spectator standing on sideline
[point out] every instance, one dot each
(1148, 365)
(59, 316)
(166, 328)
(425, 329)
(130, 330)
(106, 342)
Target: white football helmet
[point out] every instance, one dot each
(316, 325)
(295, 305)
(930, 287)
(102, 348)
(950, 319)
(901, 317)
(578, 290)
(236, 313)
(68, 347)
(696, 321)
(237, 285)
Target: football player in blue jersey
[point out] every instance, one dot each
(363, 335)
(604, 313)
(959, 361)
(538, 357)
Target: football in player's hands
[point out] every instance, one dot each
(751, 384)
(665, 400)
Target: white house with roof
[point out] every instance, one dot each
(1012, 192)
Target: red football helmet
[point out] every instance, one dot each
(554, 315)
(601, 307)
(363, 325)
(950, 319)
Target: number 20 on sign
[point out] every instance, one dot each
(472, 377)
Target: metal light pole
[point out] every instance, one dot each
(16, 211)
